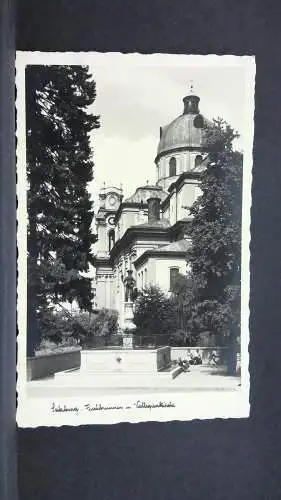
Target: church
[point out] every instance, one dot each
(144, 239)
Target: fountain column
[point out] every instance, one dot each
(128, 326)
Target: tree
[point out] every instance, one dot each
(63, 328)
(102, 323)
(216, 240)
(59, 168)
(154, 312)
(182, 299)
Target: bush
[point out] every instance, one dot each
(64, 330)
(48, 347)
(102, 323)
(179, 338)
(56, 328)
(154, 312)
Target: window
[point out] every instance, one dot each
(172, 167)
(198, 160)
(111, 239)
(198, 121)
(145, 278)
(174, 273)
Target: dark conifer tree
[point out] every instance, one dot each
(59, 168)
(216, 241)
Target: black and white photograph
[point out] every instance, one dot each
(134, 196)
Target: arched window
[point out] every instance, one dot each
(198, 160)
(172, 167)
(111, 239)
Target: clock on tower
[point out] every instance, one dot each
(112, 200)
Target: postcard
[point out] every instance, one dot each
(134, 181)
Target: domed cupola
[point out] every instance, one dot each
(182, 142)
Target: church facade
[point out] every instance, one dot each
(145, 237)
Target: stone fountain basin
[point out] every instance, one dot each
(126, 360)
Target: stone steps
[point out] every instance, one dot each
(89, 377)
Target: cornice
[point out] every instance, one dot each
(180, 149)
(134, 232)
(184, 176)
(101, 261)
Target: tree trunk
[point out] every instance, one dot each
(33, 333)
(231, 356)
(33, 336)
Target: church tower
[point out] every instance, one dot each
(109, 202)
(110, 199)
(182, 144)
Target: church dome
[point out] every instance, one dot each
(186, 131)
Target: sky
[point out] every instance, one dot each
(136, 94)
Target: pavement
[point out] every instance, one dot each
(87, 396)
(85, 382)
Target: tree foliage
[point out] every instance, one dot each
(63, 329)
(101, 323)
(59, 167)
(216, 238)
(182, 299)
(154, 312)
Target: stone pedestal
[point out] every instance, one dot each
(128, 317)
(129, 326)
(128, 342)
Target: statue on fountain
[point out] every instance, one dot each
(129, 284)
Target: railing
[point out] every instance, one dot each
(151, 341)
(139, 342)
(103, 342)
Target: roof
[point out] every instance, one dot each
(155, 223)
(143, 193)
(159, 231)
(175, 249)
(194, 174)
(152, 232)
(186, 131)
(176, 246)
